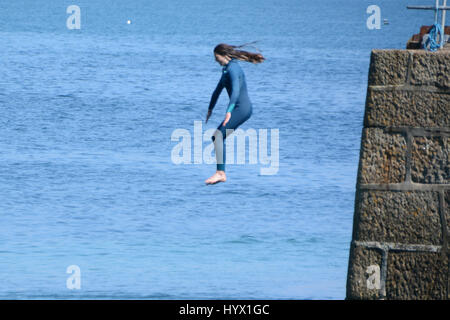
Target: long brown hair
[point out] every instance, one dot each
(230, 50)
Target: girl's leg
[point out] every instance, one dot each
(238, 117)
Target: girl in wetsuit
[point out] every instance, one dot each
(239, 108)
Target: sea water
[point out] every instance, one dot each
(87, 177)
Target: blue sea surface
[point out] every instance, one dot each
(86, 174)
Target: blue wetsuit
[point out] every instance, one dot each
(233, 79)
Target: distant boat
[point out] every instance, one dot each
(385, 21)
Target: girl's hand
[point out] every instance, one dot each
(227, 118)
(208, 115)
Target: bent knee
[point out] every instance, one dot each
(217, 135)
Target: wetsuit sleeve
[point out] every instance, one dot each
(216, 94)
(235, 87)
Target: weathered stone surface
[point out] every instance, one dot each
(431, 69)
(383, 157)
(388, 67)
(416, 275)
(399, 217)
(430, 160)
(391, 107)
(447, 214)
(411, 90)
(358, 273)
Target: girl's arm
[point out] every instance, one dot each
(216, 94)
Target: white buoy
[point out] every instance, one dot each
(128, 21)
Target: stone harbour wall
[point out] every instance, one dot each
(401, 224)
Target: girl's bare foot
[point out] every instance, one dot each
(219, 176)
